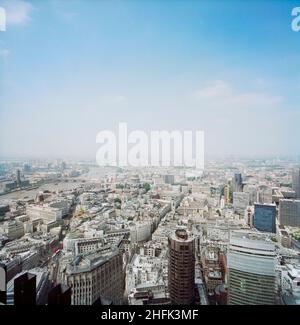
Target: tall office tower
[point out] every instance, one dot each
(25, 289)
(59, 295)
(19, 177)
(264, 218)
(237, 184)
(296, 182)
(251, 264)
(181, 268)
(289, 213)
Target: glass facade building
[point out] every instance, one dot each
(264, 218)
(251, 264)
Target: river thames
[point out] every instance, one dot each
(95, 174)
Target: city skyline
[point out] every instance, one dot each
(149, 156)
(74, 233)
(71, 69)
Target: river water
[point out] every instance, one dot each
(94, 174)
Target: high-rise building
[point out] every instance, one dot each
(25, 289)
(289, 213)
(296, 182)
(237, 183)
(28, 288)
(19, 177)
(251, 264)
(264, 218)
(181, 268)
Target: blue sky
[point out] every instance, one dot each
(71, 68)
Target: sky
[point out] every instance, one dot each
(71, 68)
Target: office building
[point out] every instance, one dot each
(237, 183)
(181, 272)
(62, 204)
(140, 232)
(13, 229)
(290, 284)
(94, 275)
(46, 213)
(240, 202)
(29, 288)
(283, 236)
(264, 194)
(25, 289)
(251, 264)
(289, 213)
(212, 269)
(264, 218)
(296, 182)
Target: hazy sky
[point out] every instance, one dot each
(71, 68)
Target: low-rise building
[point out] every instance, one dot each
(13, 229)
